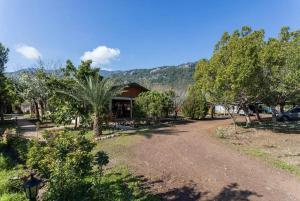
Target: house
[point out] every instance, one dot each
(121, 106)
(26, 107)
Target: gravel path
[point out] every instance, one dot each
(27, 128)
(185, 162)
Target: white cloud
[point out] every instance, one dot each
(101, 55)
(107, 69)
(28, 51)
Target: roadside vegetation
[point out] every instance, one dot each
(247, 70)
(278, 148)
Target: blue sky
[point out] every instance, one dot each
(126, 34)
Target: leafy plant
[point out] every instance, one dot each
(195, 105)
(101, 159)
(154, 104)
(9, 187)
(97, 93)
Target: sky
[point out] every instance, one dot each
(128, 34)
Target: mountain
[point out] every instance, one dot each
(30, 70)
(176, 77)
(163, 77)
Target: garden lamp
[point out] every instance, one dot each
(31, 187)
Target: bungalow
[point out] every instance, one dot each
(121, 106)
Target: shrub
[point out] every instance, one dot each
(8, 184)
(12, 197)
(65, 160)
(18, 146)
(65, 184)
(65, 147)
(195, 105)
(38, 159)
(101, 159)
(5, 162)
(154, 104)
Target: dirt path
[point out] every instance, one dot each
(185, 162)
(27, 128)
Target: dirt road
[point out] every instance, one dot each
(185, 162)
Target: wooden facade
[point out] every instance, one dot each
(122, 105)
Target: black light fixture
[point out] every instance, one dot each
(31, 187)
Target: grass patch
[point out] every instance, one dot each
(276, 127)
(274, 162)
(117, 147)
(10, 190)
(119, 184)
(225, 135)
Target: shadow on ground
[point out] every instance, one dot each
(190, 192)
(165, 127)
(230, 192)
(162, 128)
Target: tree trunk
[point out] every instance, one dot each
(75, 126)
(232, 118)
(212, 111)
(248, 119)
(97, 126)
(42, 110)
(257, 113)
(274, 112)
(37, 113)
(281, 107)
(31, 109)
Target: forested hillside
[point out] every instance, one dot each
(164, 77)
(176, 77)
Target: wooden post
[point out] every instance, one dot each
(131, 108)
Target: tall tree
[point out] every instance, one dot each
(280, 60)
(63, 108)
(233, 75)
(3, 60)
(97, 93)
(195, 105)
(33, 88)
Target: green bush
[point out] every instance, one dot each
(195, 105)
(12, 197)
(5, 162)
(38, 159)
(18, 146)
(66, 161)
(154, 104)
(65, 147)
(65, 184)
(8, 184)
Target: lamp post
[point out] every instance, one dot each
(31, 187)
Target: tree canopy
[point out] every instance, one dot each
(245, 69)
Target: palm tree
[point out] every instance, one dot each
(97, 93)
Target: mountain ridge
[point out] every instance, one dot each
(168, 76)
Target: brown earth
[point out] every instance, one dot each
(184, 162)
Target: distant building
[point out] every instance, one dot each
(121, 106)
(26, 108)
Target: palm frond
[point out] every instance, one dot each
(94, 91)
